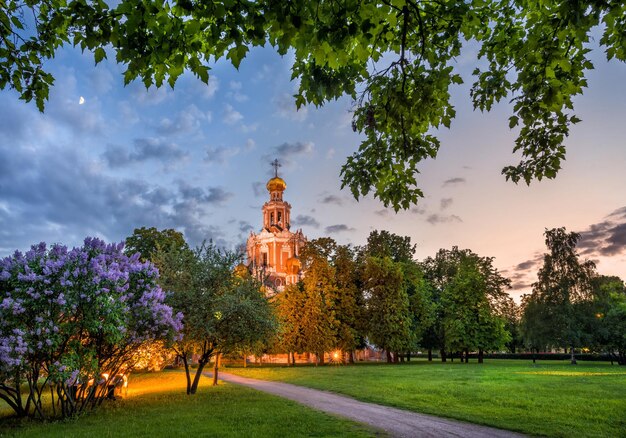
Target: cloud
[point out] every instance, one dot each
(195, 88)
(64, 197)
(418, 210)
(213, 195)
(236, 93)
(445, 203)
(150, 96)
(340, 228)
(305, 220)
(382, 213)
(219, 155)
(231, 116)
(286, 108)
(144, 149)
(332, 199)
(435, 219)
(289, 150)
(245, 227)
(606, 238)
(528, 264)
(453, 181)
(521, 285)
(186, 121)
(258, 188)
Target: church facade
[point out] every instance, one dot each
(273, 253)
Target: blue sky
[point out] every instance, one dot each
(196, 159)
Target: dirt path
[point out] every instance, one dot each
(396, 422)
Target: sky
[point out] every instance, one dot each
(105, 159)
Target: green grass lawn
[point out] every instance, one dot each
(550, 398)
(157, 406)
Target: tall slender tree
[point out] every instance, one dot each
(387, 301)
(563, 284)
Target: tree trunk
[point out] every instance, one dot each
(293, 358)
(216, 366)
(572, 357)
(389, 358)
(396, 357)
(321, 358)
(201, 363)
(534, 350)
(480, 355)
(351, 357)
(430, 355)
(442, 353)
(187, 373)
(408, 356)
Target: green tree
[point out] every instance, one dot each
(147, 241)
(535, 324)
(563, 287)
(221, 311)
(318, 319)
(244, 319)
(348, 304)
(535, 53)
(469, 319)
(386, 244)
(387, 303)
(609, 316)
(441, 271)
(289, 304)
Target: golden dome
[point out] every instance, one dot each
(276, 184)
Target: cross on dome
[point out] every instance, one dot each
(276, 165)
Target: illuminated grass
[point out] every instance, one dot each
(156, 406)
(550, 398)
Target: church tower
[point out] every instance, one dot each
(273, 252)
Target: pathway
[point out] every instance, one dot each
(396, 422)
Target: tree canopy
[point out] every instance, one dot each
(395, 58)
(563, 290)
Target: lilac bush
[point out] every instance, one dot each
(69, 316)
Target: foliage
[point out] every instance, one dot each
(609, 316)
(324, 311)
(469, 320)
(317, 316)
(397, 60)
(152, 356)
(442, 272)
(68, 316)
(147, 241)
(222, 312)
(387, 306)
(562, 293)
(348, 302)
(386, 244)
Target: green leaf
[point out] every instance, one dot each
(99, 54)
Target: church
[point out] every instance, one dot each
(273, 253)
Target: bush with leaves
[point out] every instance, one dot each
(71, 318)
